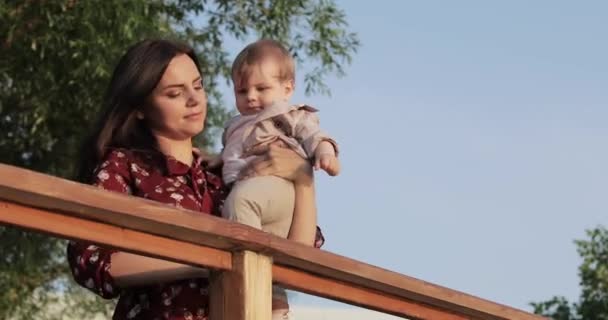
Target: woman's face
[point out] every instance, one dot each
(177, 107)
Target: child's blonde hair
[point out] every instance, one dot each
(255, 53)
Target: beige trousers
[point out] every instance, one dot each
(264, 203)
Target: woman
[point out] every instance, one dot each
(142, 146)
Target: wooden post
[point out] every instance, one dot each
(245, 292)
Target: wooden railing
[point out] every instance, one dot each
(244, 261)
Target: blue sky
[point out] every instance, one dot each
(473, 143)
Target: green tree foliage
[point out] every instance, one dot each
(56, 60)
(593, 273)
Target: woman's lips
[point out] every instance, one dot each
(194, 116)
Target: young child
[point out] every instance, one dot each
(264, 79)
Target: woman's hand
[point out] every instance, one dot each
(276, 160)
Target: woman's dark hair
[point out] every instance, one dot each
(136, 75)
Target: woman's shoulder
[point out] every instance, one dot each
(115, 162)
(116, 158)
(122, 169)
(127, 159)
(118, 154)
(123, 155)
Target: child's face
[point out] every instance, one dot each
(260, 88)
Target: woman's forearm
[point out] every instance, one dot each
(129, 269)
(304, 223)
(287, 164)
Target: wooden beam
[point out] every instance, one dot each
(57, 224)
(245, 292)
(77, 200)
(332, 266)
(358, 296)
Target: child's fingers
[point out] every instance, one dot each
(333, 167)
(264, 148)
(257, 167)
(326, 163)
(258, 150)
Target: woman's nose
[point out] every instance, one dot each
(194, 99)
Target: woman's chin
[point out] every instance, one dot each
(184, 134)
(193, 130)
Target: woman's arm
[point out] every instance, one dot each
(104, 270)
(304, 223)
(287, 164)
(129, 269)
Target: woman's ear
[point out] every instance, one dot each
(139, 115)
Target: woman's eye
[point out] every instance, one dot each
(173, 94)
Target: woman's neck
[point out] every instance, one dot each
(181, 150)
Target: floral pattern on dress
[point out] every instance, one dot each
(157, 177)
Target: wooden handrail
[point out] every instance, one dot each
(55, 206)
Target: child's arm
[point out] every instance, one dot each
(315, 142)
(326, 159)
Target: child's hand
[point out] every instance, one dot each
(326, 159)
(328, 162)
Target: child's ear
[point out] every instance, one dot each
(289, 88)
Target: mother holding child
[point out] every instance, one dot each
(142, 146)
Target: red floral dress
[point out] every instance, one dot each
(162, 178)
